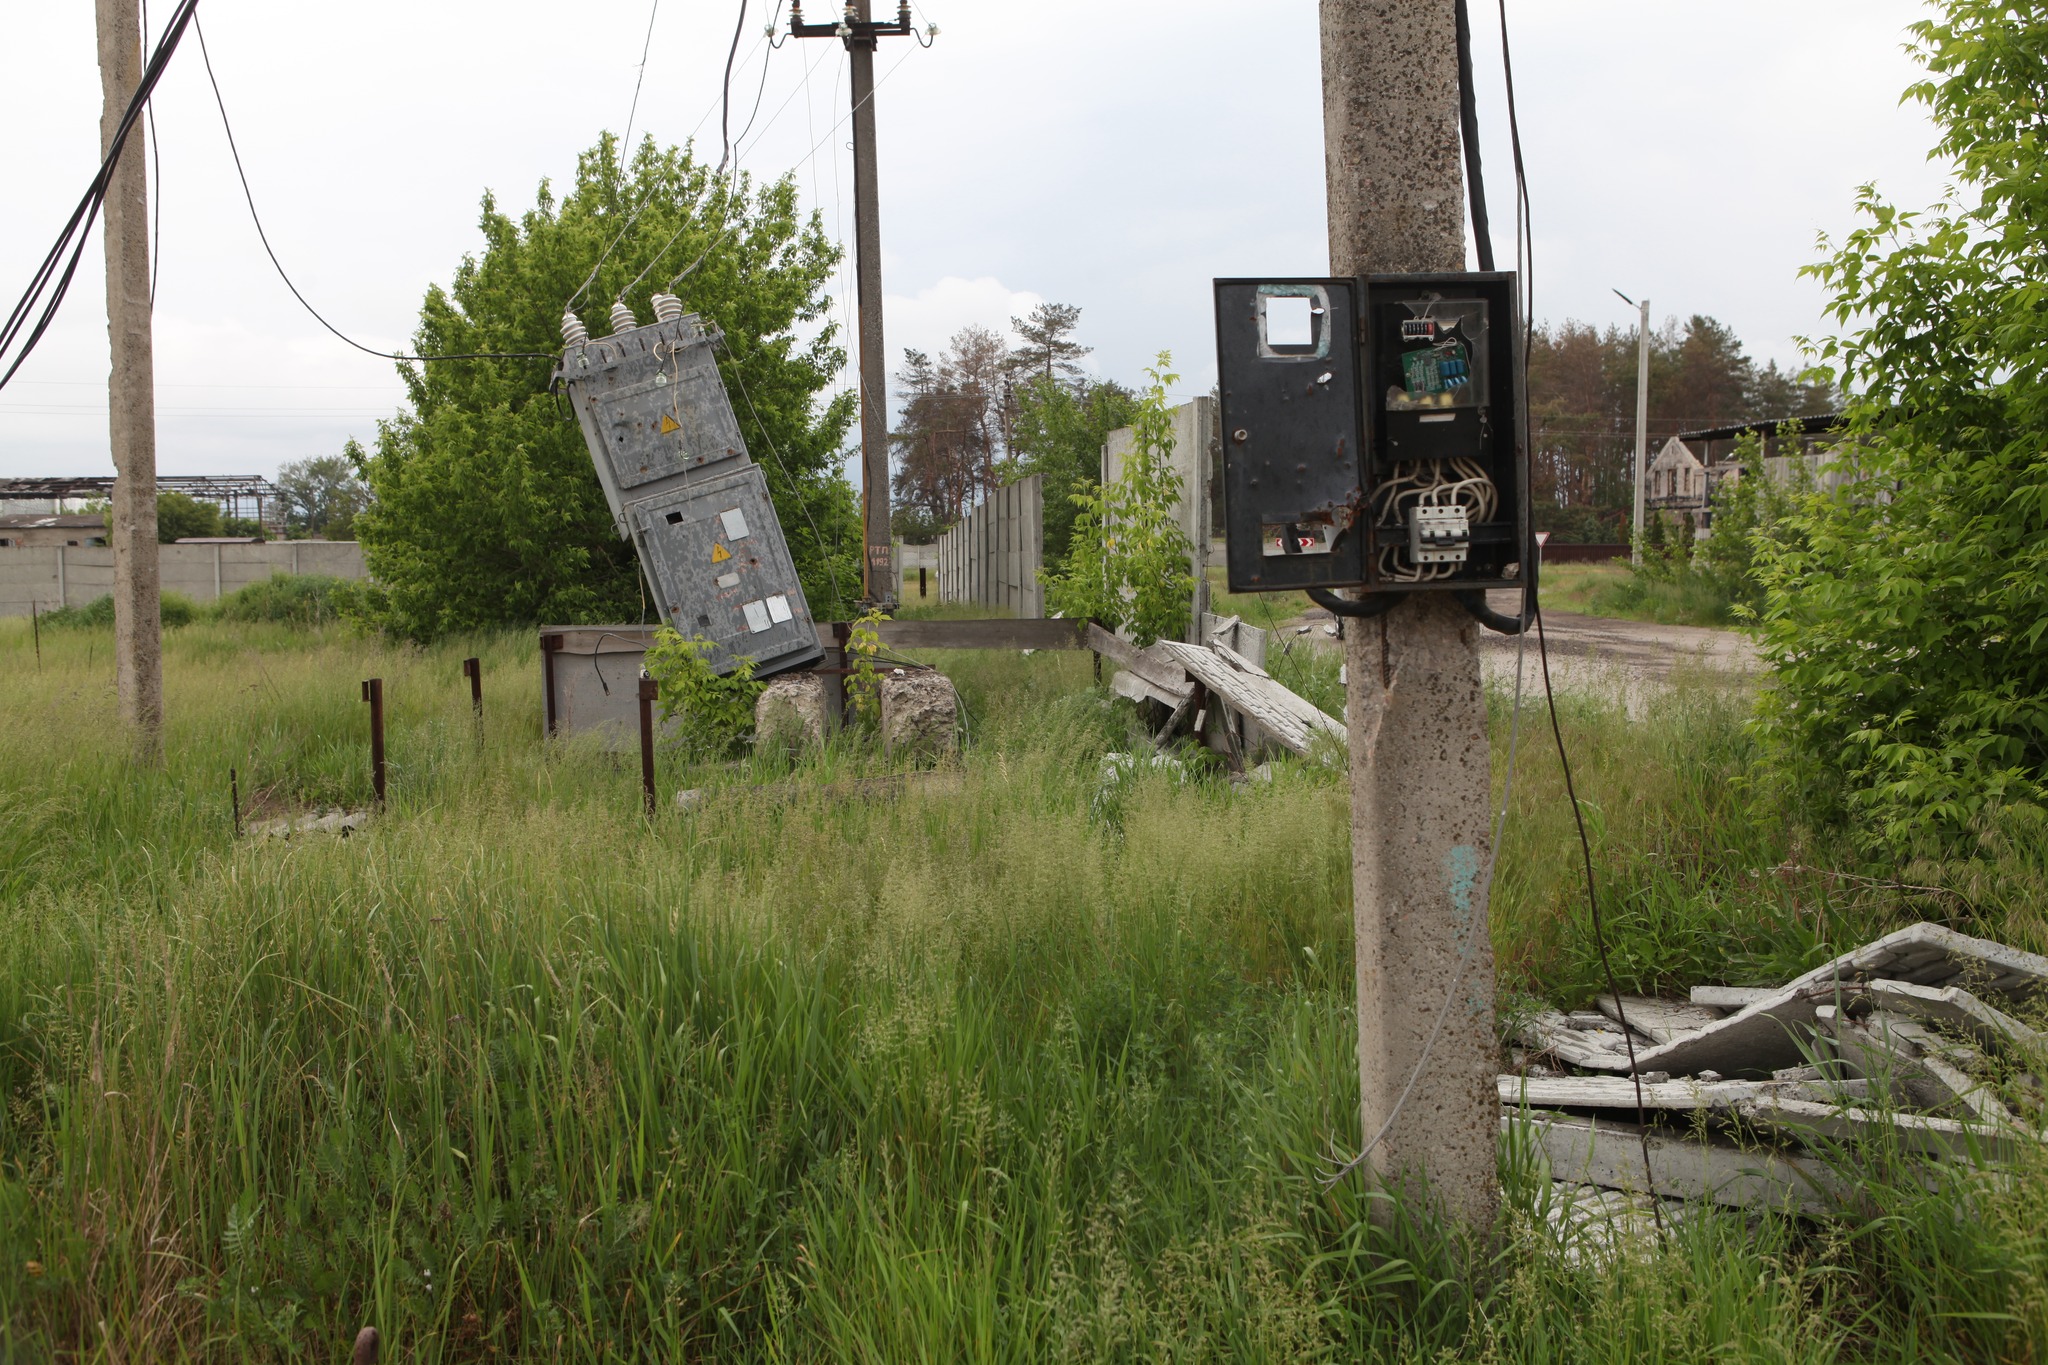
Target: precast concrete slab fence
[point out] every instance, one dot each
(46, 577)
(993, 557)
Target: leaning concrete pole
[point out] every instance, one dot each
(1419, 776)
(131, 391)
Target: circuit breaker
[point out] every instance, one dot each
(1372, 432)
(667, 448)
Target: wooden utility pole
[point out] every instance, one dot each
(857, 29)
(1417, 713)
(1635, 549)
(131, 392)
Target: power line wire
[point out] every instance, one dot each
(52, 279)
(264, 237)
(626, 142)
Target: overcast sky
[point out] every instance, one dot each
(1113, 154)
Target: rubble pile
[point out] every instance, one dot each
(1917, 1040)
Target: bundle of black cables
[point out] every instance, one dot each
(45, 293)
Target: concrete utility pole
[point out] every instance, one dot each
(1419, 758)
(861, 34)
(131, 392)
(1635, 549)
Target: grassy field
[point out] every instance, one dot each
(1042, 1067)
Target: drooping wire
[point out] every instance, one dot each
(249, 196)
(626, 142)
(51, 281)
(724, 164)
(1525, 259)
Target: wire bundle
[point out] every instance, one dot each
(45, 293)
(1424, 483)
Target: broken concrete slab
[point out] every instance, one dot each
(338, 822)
(1935, 955)
(1773, 1031)
(1882, 1051)
(1809, 1120)
(1661, 1021)
(1676, 1096)
(1554, 1033)
(1755, 1040)
(1955, 1007)
(1609, 1153)
(1730, 997)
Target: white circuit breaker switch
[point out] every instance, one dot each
(1438, 535)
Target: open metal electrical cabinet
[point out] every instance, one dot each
(1373, 432)
(668, 452)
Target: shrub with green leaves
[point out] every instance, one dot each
(1127, 563)
(174, 609)
(1907, 620)
(290, 599)
(713, 713)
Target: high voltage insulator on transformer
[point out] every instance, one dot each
(667, 307)
(622, 318)
(574, 333)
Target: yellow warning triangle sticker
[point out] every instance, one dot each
(719, 554)
(669, 424)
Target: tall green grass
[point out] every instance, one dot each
(966, 1073)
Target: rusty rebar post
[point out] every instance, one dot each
(373, 693)
(235, 801)
(473, 669)
(648, 691)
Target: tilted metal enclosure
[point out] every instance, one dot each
(668, 452)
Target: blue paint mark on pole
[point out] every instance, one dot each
(1461, 864)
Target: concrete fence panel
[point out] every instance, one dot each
(45, 577)
(994, 556)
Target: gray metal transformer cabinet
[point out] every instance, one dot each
(668, 453)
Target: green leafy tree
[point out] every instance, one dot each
(179, 515)
(486, 508)
(1752, 517)
(1127, 564)
(1049, 351)
(1058, 433)
(324, 495)
(1908, 619)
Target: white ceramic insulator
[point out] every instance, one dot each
(622, 318)
(574, 333)
(667, 307)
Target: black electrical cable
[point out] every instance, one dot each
(1468, 127)
(52, 279)
(1526, 259)
(156, 199)
(264, 237)
(1358, 609)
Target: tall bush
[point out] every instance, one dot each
(1127, 560)
(1907, 621)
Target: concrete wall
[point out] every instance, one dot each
(1195, 453)
(994, 556)
(51, 576)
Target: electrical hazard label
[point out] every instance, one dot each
(719, 554)
(669, 424)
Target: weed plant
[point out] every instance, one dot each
(965, 1072)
